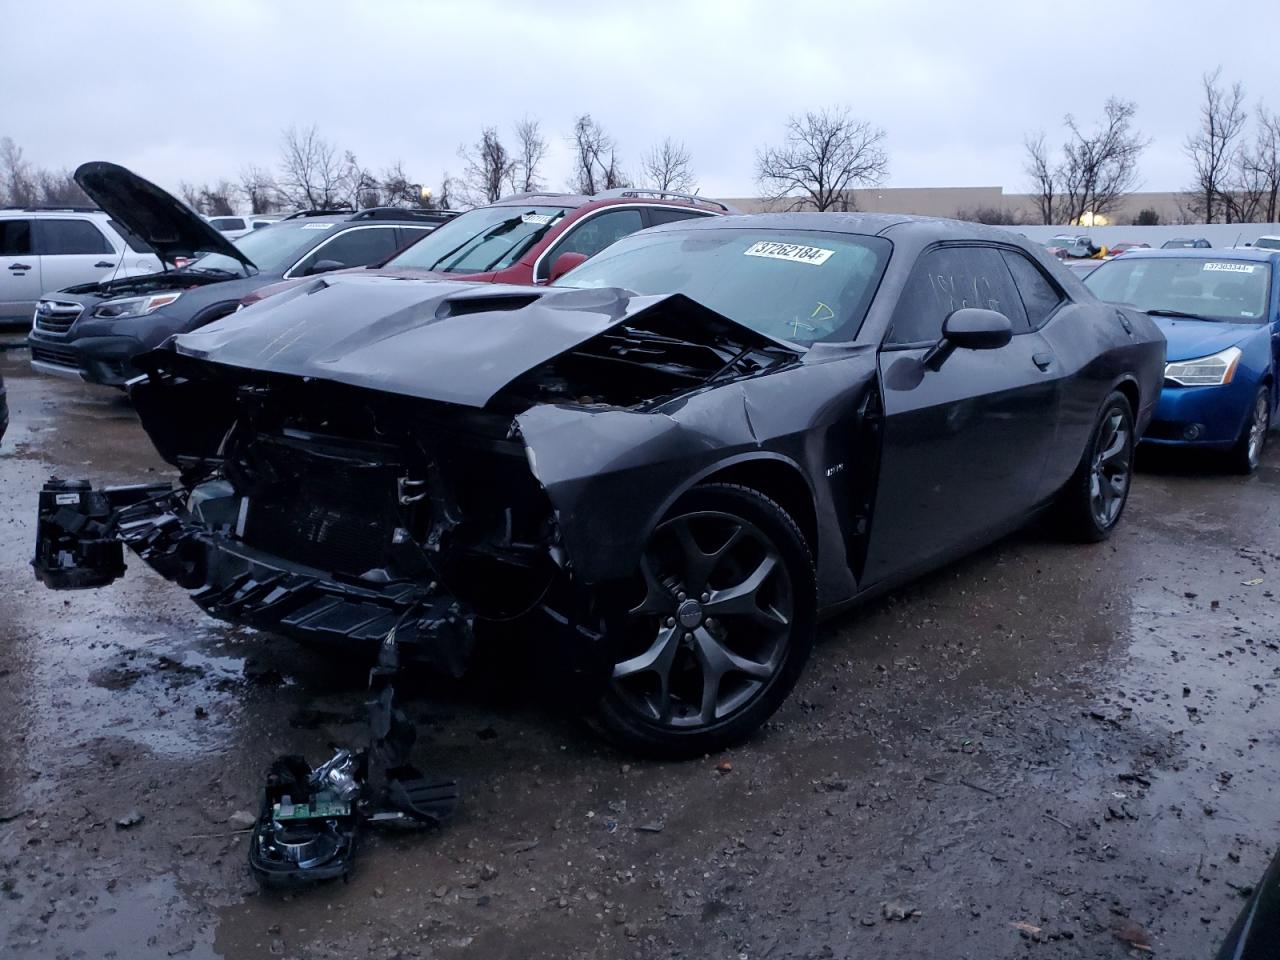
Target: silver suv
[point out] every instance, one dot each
(43, 249)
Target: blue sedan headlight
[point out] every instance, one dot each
(1212, 371)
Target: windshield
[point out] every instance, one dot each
(1268, 243)
(799, 286)
(1232, 291)
(1178, 244)
(489, 238)
(272, 249)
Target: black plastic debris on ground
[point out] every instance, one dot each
(309, 825)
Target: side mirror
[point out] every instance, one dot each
(325, 266)
(564, 263)
(969, 328)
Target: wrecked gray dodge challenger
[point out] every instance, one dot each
(659, 473)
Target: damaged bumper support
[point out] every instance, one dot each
(82, 532)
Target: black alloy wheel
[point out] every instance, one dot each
(1094, 499)
(720, 627)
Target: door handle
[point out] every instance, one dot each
(1042, 360)
(19, 266)
(104, 264)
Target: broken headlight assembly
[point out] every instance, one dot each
(1211, 371)
(135, 306)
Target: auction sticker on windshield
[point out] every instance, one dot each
(1231, 267)
(789, 251)
(317, 226)
(538, 218)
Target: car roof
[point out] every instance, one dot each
(28, 212)
(863, 224)
(1206, 253)
(622, 195)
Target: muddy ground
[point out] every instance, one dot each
(1044, 750)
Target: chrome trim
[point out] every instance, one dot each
(64, 311)
(57, 370)
(697, 214)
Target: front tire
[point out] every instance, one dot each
(1247, 453)
(720, 627)
(1094, 498)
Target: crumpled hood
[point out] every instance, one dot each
(454, 342)
(1189, 339)
(172, 228)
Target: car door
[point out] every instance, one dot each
(72, 251)
(963, 446)
(589, 235)
(356, 247)
(19, 270)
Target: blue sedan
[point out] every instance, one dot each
(1220, 314)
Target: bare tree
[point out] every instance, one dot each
(58, 188)
(998, 216)
(448, 194)
(1043, 177)
(258, 188)
(1100, 167)
(1255, 189)
(216, 201)
(1097, 170)
(596, 165)
(531, 150)
(669, 167)
(398, 190)
(312, 173)
(1213, 148)
(824, 156)
(17, 186)
(359, 187)
(488, 168)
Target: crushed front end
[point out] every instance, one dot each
(319, 512)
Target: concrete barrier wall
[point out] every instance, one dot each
(1218, 234)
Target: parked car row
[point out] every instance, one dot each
(94, 331)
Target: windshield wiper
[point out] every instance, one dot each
(1181, 315)
(213, 271)
(528, 242)
(497, 228)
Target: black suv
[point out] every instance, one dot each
(93, 331)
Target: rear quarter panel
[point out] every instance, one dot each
(1098, 354)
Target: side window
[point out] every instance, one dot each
(355, 248)
(659, 215)
(15, 238)
(1039, 296)
(63, 237)
(592, 236)
(945, 280)
(411, 235)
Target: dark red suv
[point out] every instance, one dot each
(532, 237)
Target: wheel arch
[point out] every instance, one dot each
(1128, 387)
(776, 477)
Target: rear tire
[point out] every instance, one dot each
(1247, 453)
(1094, 499)
(720, 627)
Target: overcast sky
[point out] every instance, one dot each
(195, 91)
